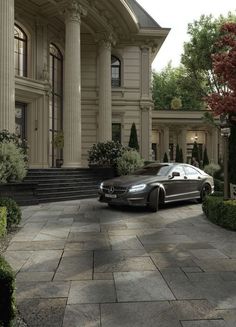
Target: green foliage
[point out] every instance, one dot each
(175, 84)
(129, 162)
(105, 153)
(197, 57)
(232, 156)
(59, 140)
(219, 211)
(13, 211)
(205, 158)
(6, 136)
(165, 159)
(12, 163)
(212, 169)
(7, 294)
(133, 139)
(181, 157)
(177, 154)
(3, 221)
(218, 185)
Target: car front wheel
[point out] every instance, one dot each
(153, 203)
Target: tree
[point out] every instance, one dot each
(133, 140)
(177, 154)
(205, 158)
(165, 159)
(181, 157)
(224, 102)
(174, 86)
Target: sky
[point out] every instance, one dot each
(177, 15)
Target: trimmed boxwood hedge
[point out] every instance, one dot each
(13, 211)
(3, 221)
(7, 295)
(221, 212)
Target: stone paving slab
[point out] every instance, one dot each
(76, 260)
(141, 286)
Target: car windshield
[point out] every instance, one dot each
(160, 170)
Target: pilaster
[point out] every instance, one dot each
(7, 74)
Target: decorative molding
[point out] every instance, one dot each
(74, 11)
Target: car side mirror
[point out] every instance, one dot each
(174, 174)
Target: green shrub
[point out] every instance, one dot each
(13, 211)
(129, 162)
(7, 295)
(6, 136)
(105, 153)
(165, 159)
(12, 163)
(3, 221)
(219, 185)
(133, 139)
(211, 169)
(221, 212)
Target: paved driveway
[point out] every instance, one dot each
(80, 263)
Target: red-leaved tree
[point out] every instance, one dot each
(223, 100)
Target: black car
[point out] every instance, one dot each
(156, 184)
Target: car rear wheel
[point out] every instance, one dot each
(206, 190)
(154, 200)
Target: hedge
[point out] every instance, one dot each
(219, 211)
(13, 211)
(7, 295)
(3, 221)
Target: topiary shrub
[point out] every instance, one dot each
(165, 159)
(12, 163)
(129, 162)
(3, 221)
(105, 153)
(13, 211)
(218, 185)
(133, 139)
(7, 295)
(219, 211)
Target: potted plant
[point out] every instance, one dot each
(58, 143)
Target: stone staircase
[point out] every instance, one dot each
(61, 184)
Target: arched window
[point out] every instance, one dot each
(56, 100)
(20, 51)
(115, 72)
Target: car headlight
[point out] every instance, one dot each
(137, 188)
(101, 186)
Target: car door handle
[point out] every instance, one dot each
(185, 177)
(199, 177)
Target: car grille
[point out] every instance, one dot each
(113, 189)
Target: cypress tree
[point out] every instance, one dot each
(177, 154)
(133, 139)
(181, 157)
(195, 151)
(165, 159)
(205, 158)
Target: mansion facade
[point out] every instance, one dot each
(84, 67)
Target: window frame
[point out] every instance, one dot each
(21, 71)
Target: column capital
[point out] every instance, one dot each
(74, 11)
(105, 40)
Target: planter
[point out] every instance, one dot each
(59, 163)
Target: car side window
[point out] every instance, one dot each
(191, 171)
(178, 169)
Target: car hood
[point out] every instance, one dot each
(129, 180)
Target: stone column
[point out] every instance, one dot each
(7, 74)
(184, 143)
(146, 140)
(105, 110)
(72, 87)
(166, 135)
